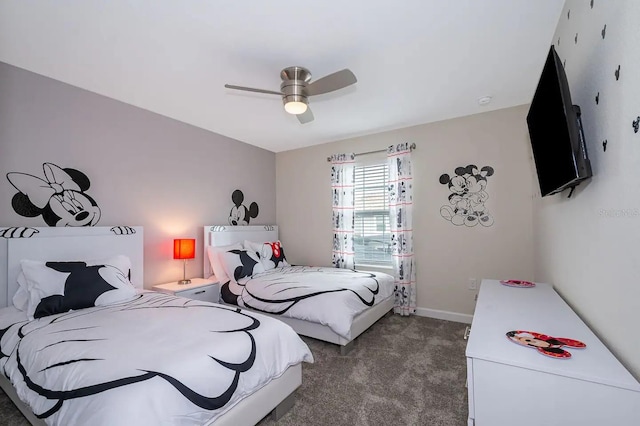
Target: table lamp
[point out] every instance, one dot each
(184, 249)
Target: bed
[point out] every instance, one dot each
(372, 301)
(181, 361)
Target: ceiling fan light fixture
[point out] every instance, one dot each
(295, 107)
(296, 87)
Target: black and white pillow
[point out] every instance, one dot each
(271, 253)
(56, 287)
(241, 263)
(215, 259)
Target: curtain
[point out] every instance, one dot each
(342, 177)
(400, 213)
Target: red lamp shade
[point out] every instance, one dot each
(184, 248)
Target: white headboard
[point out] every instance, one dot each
(222, 235)
(66, 244)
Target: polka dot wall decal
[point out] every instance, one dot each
(604, 145)
(636, 124)
(617, 73)
(598, 98)
(604, 31)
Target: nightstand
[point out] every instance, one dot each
(199, 289)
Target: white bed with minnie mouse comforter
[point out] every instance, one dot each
(87, 348)
(331, 304)
(80, 368)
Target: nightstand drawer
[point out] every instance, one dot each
(207, 293)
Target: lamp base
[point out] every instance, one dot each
(183, 282)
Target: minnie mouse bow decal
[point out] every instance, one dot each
(546, 345)
(60, 197)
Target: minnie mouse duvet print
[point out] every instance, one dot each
(142, 362)
(329, 296)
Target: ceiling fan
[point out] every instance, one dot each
(296, 87)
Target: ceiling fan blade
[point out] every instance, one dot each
(329, 83)
(305, 117)
(251, 89)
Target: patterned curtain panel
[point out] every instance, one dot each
(342, 177)
(400, 213)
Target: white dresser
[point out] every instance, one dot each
(514, 385)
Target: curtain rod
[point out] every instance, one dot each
(412, 147)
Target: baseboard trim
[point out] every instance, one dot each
(444, 315)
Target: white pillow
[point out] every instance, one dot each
(21, 297)
(215, 259)
(241, 263)
(56, 287)
(271, 254)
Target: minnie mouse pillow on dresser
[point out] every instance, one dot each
(271, 254)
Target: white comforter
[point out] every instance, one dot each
(156, 360)
(328, 296)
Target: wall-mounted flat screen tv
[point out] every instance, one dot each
(555, 130)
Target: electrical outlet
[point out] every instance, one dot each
(473, 284)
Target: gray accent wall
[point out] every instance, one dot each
(447, 256)
(145, 169)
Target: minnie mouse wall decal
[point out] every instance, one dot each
(60, 197)
(18, 232)
(546, 345)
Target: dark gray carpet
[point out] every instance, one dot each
(402, 371)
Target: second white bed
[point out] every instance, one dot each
(333, 305)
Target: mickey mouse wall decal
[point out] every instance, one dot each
(617, 73)
(604, 145)
(468, 196)
(636, 124)
(60, 197)
(598, 98)
(546, 345)
(604, 31)
(240, 214)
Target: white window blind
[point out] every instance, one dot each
(372, 237)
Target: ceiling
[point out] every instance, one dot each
(417, 61)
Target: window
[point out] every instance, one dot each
(372, 236)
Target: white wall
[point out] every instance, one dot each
(144, 169)
(446, 255)
(587, 246)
